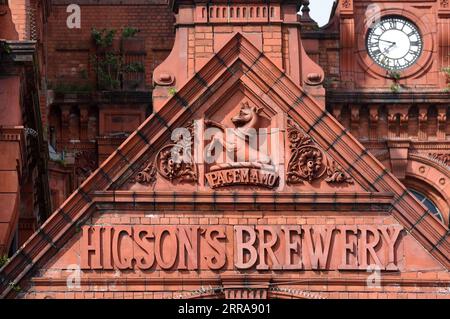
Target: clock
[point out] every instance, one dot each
(394, 43)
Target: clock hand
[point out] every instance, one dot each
(389, 48)
(387, 41)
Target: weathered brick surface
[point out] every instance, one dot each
(73, 47)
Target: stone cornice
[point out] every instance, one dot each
(320, 35)
(104, 97)
(21, 51)
(278, 280)
(364, 97)
(346, 203)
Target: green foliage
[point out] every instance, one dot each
(15, 287)
(5, 48)
(3, 260)
(110, 65)
(447, 73)
(108, 68)
(172, 91)
(111, 68)
(134, 67)
(395, 87)
(103, 38)
(395, 75)
(129, 32)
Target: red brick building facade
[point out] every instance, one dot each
(225, 149)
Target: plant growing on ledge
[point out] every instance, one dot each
(447, 73)
(3, 260)
(395, 87)
(172, 91)
(110, 63)
(134, 67)
(5, 50)
(103, 38)
(15, 287)
(129, 32)
(4, 47)
(108, 68)
(395, 76)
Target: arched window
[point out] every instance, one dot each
(428, 204)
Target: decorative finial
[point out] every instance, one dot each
(305, 19)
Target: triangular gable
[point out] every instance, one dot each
(150, 136)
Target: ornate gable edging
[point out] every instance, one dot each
(325, 130)
(372, 202)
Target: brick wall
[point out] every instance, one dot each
(71, 48)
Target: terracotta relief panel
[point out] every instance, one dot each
(241, 144)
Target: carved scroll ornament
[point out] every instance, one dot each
(174, 162)
(309, 163)
(172, 165)
(147, 176)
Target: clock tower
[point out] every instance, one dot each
(379, 39)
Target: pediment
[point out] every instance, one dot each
(238, 140)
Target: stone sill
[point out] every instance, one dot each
(115, 97)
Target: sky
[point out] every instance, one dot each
(320, 10)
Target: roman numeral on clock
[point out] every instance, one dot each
(376, 54)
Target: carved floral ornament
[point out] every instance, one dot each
(308, 162)
(174, 162)
(346, 3)
(443, 158)
(147, 176)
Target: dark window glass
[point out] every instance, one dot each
(428, 204)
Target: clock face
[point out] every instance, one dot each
(394, 43)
